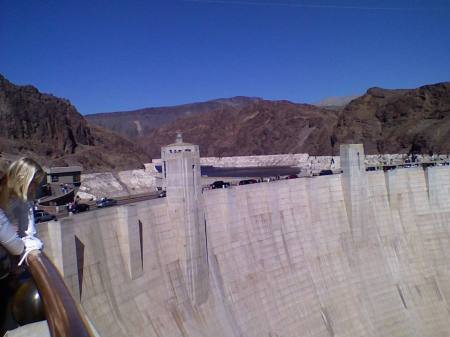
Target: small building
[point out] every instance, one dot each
(64, 175)
(60, 185)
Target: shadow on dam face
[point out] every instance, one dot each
(357, 254)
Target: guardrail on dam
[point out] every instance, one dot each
(356, 254)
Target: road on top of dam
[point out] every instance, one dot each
(120, 201)
(235, 172)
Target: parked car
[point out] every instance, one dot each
(106, 202)
(325, 173)
(162, 194)
(43, 216)
(248, 181)
(220, 184)
(78, 208)
(292, 176)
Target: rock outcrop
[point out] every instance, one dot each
(31, 118)
(51, 130)
(398, 121)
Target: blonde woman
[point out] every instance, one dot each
(19, 183)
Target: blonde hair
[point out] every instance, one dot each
(18, 178)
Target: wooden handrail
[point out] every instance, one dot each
(63, 315)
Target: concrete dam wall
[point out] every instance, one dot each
(356, 254)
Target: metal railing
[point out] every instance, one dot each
(63, 314)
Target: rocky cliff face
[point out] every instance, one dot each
(398, 121)
(40, 122)
(51, 130)
(264, 127)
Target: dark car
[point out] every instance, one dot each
(220, 184)
(162, 194)
(106, 202)
(292, 176)
(43, 216)
(248, 181)
(325, 173)
(78, 208)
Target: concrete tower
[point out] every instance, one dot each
(355, 187)
(181, 179)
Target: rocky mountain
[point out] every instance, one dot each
(398, 121)
(138, 123)
(51, 130)
(335, 102)
(385, 121)
(264, 127)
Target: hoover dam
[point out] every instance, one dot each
(353, 254)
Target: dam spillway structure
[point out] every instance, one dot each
(352, 254)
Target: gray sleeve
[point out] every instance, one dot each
(8, 236)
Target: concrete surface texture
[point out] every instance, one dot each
(357, 254)
(38, 329)
(182, 182)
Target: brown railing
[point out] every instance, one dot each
(63, 315)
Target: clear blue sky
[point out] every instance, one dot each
(123, 55)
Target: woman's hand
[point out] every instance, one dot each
(31, 243)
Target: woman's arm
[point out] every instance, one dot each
(8, 236)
